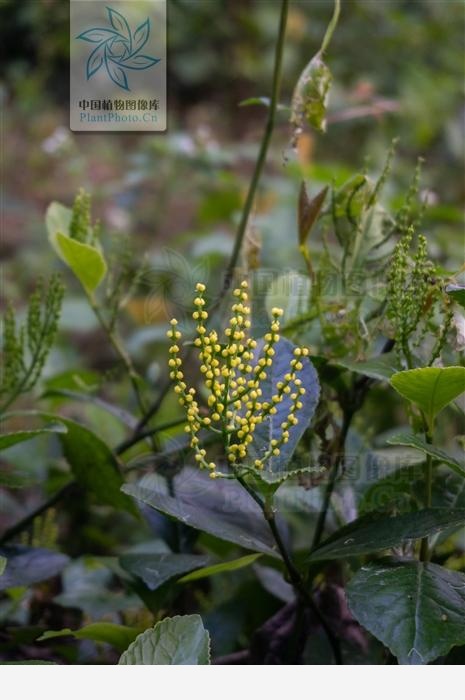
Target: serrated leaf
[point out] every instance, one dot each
(226, 566)
(308, 211)
(28, 565)
(118, 636)
(270, 428)
(457, 292)
(376, 532)
(10, 439)
(430, 388)
(415, 609)
(410, 440)
(222, 508)
(180, 641)
(156, 569)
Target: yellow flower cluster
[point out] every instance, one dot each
(232, 377)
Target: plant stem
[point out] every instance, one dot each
(294, 575)
(424, 547)
(331, 26)
(338, 457)
(269, 127)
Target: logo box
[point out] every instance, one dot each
(118, 65)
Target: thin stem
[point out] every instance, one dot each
(321, 522)
(269, 127)
(138, 437)
(331, 26)
(424, 547)
(294, 575)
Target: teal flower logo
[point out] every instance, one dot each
(118, 49)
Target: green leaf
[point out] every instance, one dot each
(410, 440)
(270, 428)
(233, 565)
(311, 94)
(58, 218)
(381, 367)
(86, 261)
(3, 562)
(118, 636)
(376, 532)
(155, 569)
(430, 388)
(415, 609)
(402, 490)
(457, 292)
(93, 464)
(10, 439)
(178, 641)
(27, 565)
(221, 507)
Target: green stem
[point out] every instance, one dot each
(120, 351)
(424, 547)
(331, 26)
(262, 151)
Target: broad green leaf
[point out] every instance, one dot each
(28, 565)
(415, 609)
(311, 93)
(457, 292)
(221, 508)
(3, 562)
(381, 367)
(233, 565)
(155, 569)
(178, 641)
(430, 388)
(376, 532)
(10, 439)
(411, 440)
(93, 464)
(86, 261)
(118, 636)
(270, 428)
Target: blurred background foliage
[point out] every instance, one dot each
(175, 198)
